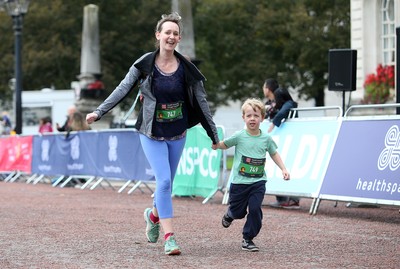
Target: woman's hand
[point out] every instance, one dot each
(91, 117)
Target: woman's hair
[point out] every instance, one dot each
(254, 103)
(173, 17)
(271, 84)
(78, 122)
(282, 95)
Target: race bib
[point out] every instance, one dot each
(252, 167)
(169, 112)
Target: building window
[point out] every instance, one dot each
(388, 33)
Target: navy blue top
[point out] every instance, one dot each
(169, 90)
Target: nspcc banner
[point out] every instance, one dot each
(365, 162)
(199, 168)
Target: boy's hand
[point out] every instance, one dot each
(214, 146)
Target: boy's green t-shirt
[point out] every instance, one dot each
(250, 155)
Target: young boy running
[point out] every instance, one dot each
(248, 178)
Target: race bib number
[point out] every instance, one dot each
(252, 167)
(169, 112)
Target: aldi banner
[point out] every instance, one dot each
(199, 168)
(120, 155)
(305, 147)
(16, 153)
(365, 163)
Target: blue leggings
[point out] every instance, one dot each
(163, 157)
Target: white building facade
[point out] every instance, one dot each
(373, 35)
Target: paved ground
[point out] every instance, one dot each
(46, 227)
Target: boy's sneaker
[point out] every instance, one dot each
(291, 205)
(171, 247)
(152, 229)
(248, 245)
(226, 221)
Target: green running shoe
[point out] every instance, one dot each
(171, 247)
(152, 229)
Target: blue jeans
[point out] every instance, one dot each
(163, 157)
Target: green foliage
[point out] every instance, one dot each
(239, 43)
(242, 43)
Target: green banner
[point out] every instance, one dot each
(199, 168)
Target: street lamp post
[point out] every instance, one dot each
(17, 9)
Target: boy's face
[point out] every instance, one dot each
(252, 118)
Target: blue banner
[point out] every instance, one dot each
(366, 161)
(120, 155)
(110, 154)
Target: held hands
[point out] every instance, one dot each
(215, 146)
(91, 117)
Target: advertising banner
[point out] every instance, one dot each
(110, 154)
(305, 148)
(16, 153)
(61, 155)
(199, 168)
(120, 155)
(365, 162)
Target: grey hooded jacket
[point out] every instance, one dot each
(142, 71)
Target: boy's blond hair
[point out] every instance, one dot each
(254, 103)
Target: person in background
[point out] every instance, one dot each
(71, 110)
(248, 178)
(6, 123)
(78, 122)
(45, 125)
(278, 106)
(173, 99)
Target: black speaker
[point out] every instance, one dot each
(342, 70)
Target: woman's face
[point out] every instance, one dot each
(169, 36)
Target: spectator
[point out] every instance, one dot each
(71, 110)
(45, 125)
(6, 123)
(278, 107)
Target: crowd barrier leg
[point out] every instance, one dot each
(316, 206)
(97, 183)
(124, 186)
(57, 181)
(66, 181)
(38, 179)
(15, 177)
(136, 186)
(89, 181)
(10, 175)
(109, 184)
(226, 197)
(212, 195)
(31, 178)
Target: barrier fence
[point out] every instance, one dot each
(339, 158)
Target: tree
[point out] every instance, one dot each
(52, 34)
(243, 42)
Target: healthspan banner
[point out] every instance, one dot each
(16, 153)
(305, 148)
(365, 164)
(198, 171)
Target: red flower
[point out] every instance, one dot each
(377, 86)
